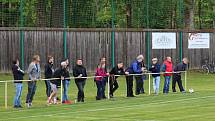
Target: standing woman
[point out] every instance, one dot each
(34, 75)
(101, 81)
(18, 76)
(49, 71)
(66, 83)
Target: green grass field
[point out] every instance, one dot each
(198, 106)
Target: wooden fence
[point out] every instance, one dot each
(90, 46)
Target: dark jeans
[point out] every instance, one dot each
(31, 91)
(177, 78)
(80, 85)
(129, 81)
(48, 88)
(113, 86)
(139, 85)
(101, 89)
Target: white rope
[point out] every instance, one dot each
(91, 77)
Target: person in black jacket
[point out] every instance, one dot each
(155, 68)
(66, 83)
(80, 71)
(55, 84)
(117, 70)
(49, 70)
(177, 76)
(18, 76)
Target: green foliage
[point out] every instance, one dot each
(99, 13)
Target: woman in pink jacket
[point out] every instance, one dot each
(101, 71)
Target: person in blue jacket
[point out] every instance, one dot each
(137, 68)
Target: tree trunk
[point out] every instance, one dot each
(189, 14)
(41, 13)
(128, 14)
(57, 13)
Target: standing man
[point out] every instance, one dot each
(49, 71)
(117, 70)
(177, 76)
(34, 75)
(80, 71)
(155, 68)
(167, 68)
(137, 68)
(18, 76)
(129, 82)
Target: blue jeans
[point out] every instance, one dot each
(65, 91)
(48, 88)
(166, 84)
(17, 101)
(31, 91)
(156, 84)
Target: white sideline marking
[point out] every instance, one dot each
(111, 108)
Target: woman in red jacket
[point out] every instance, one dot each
(101, 71)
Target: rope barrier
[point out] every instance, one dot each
(7, 81)
(90, 77)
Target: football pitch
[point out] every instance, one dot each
(197, 106)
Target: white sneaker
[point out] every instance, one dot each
(28, 105)
(55, 101)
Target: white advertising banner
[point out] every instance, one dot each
(198, 40)
(163, 40)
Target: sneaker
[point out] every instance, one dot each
(97, 98)
(20, 106)
(68, 102)
(55, 101)
(111, 95)
(15, 106)
(28, 105)
(130, 96)
(49, 101)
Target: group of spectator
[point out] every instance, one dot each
(55, 78)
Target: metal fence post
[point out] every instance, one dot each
(148, 47)
(5, 95)
(181, 33)
(113, 34)
(21, 34)
(65, 25)
(61, 91)
(149, 84)
(108, 87)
